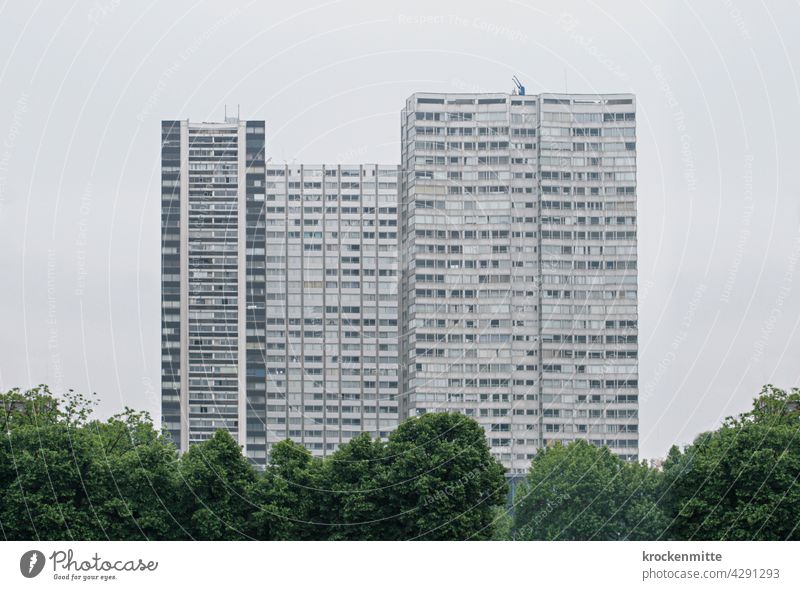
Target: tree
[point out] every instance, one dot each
(286, 496)
(49, 475)
(439, 480)
(18, 409)
(139, 467)
(350, 492)
(215, 490)
(583, 492)
(772, 407)
(34, 407)
(55, 490)
(64, 476)
(739, 482)
(501, 526)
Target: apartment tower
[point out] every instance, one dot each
(331, 335)
(279, 293)
(212, 185)
(518, 267)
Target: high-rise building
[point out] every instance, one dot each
(279, 293)
(331, 333)
(518, 263)
(212, 188)
(493, 273)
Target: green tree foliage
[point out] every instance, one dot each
(138, 469)
(741, 482)
(64, 475)
(772, 407)
(440, 481)
(583, 492)
(287, 496)
(434, 479)
(351, 492)
(56, 492)
(502, 524)
(216, 487)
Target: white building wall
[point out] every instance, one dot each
(507, 305)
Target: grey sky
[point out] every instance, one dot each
(84, 85)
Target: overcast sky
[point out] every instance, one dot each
(84, 85)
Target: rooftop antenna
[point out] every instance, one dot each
(518, 84)
(232, 119)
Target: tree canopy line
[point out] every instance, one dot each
(67, 476)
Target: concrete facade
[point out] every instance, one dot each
(492, 273)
